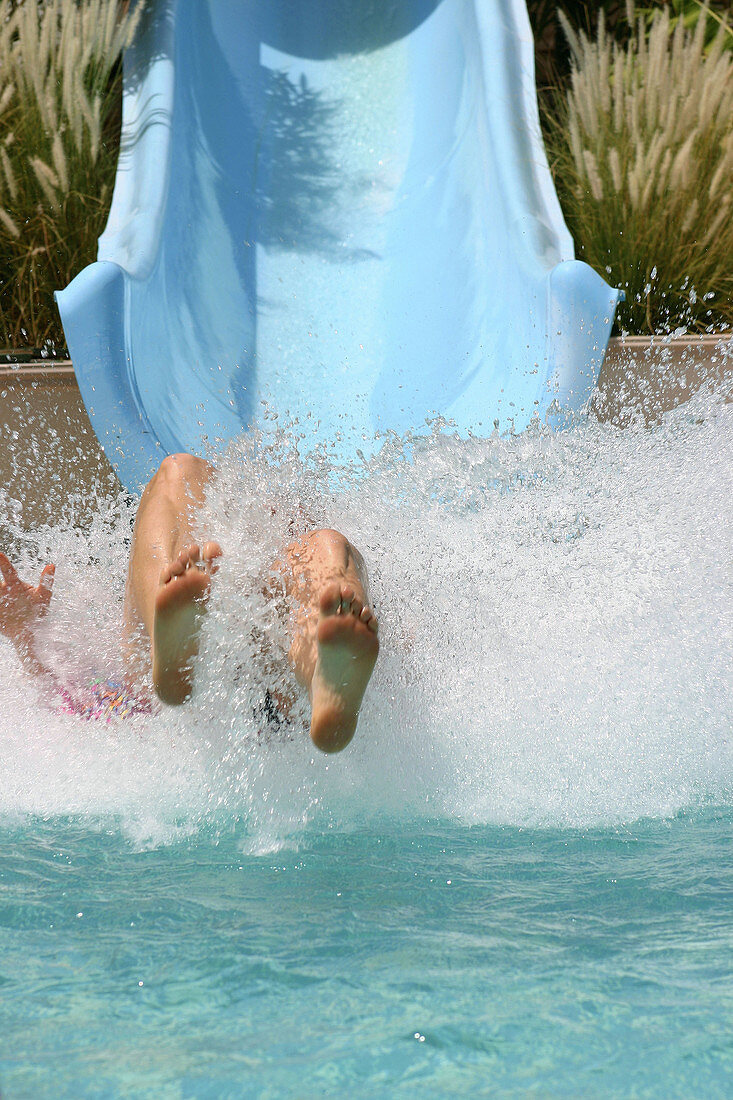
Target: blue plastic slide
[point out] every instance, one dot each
(337, 211)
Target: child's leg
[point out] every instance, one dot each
(166, 587)
(335, 642)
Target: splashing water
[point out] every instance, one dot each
(555, 622)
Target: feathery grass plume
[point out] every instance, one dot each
(60, 163)
(7, 94)
(47, 179)
(641, 147)
(8, 174)
(592, 173)
(60, 90)
(8, 223)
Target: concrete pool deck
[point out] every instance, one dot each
(51, 461)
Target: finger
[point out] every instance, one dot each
(8, 570)
(47, 576)
(45, 585)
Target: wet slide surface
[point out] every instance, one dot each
(335, 213)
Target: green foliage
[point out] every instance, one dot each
(689, 12)
(641, 147)
(59, 131)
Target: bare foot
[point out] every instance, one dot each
(179, 606)
(347, 651)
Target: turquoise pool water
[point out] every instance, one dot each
(430, 961)
(516, 882)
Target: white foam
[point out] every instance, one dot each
(556, 633)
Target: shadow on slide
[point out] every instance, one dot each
(336, 210)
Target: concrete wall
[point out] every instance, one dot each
(51, 463)
(649, 375)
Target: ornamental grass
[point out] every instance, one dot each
(641, 147)
(60, 90)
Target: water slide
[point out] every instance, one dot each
(332, 212)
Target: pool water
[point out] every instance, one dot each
(517, 880)
(436, 960)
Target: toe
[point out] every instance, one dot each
(178, 567)
(373, 625)
(211, 550)
(347, 596)
(330, 600)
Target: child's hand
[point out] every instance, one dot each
(21, 605)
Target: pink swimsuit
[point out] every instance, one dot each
(101, 699)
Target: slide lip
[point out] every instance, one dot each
(581, 308)
(93, 315)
